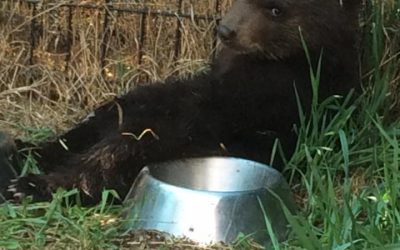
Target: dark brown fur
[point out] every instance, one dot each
(239, 109)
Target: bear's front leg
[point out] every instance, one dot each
(112, 163)
(38, 187)
(153, 125)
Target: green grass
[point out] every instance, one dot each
(349, 167)
(345, 172)
(56, 226)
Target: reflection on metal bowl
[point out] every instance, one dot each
(209, 200)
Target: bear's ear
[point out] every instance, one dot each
(351, 4)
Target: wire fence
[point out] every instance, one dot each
(109, 9)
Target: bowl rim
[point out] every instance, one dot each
(146, 171)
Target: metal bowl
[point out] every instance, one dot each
(209, 200)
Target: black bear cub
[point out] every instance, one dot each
(240, 108)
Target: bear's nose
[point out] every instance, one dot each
(225, 34)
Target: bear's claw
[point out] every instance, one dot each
(12, 189)
(31, 185)
(19, 197)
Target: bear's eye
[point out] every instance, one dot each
(276, 12)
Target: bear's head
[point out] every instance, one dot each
(272, 27)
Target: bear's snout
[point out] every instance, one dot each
(225, 34)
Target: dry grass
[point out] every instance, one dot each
(44, 94)
(157, 240)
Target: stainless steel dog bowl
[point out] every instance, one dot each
(209, 200)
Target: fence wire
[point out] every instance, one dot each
(110, 8)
